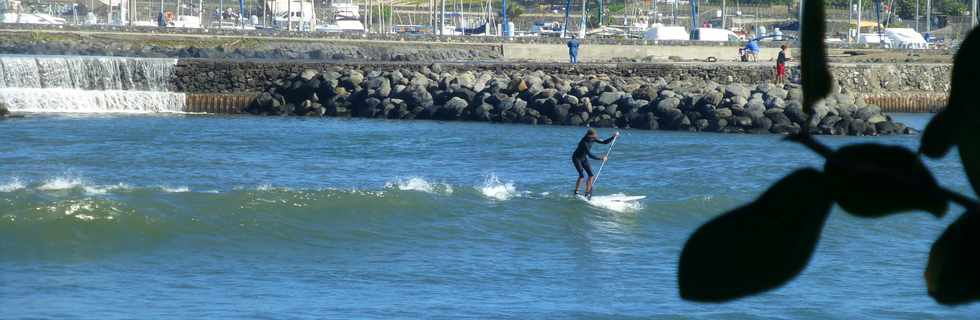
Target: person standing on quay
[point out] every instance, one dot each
(781, 65)
(573, 50)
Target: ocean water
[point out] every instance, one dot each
(173, 216)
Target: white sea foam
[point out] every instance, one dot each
(420, 184)
(72, 182)
(104, 189)
(60, 183)
(175, 189)
(12, 185)
(493, 188)
(613, 203)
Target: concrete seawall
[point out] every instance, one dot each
(606, 52)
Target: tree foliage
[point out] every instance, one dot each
(765, 244)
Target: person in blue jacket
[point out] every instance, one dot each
(573, 49)
(752, 49)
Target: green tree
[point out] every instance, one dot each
(768, 242)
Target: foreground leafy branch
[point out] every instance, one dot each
(768, 242)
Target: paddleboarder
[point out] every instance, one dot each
(581, 158)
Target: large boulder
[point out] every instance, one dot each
(417, 96)
(381, 86)
(785, 128)
(778, 118)
(667, 106)
(723, 113)
(646, 121)
(867, 112)
(795, 94)
(856, 127)
(466, 79)
(309, 74)
(4, 112)
(712, 98)
(356, 77)
(736, 90)
(876, 119)
(457, 103)
(673, 119)
(609, 98)
(795, 113)
(777, 92)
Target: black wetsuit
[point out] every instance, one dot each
(582, 154)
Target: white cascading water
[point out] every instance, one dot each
(88, 84)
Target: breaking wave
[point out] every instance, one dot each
(494, 189)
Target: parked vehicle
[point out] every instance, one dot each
(713, 34)
(660, 32)
(906, 38)
(31, 18)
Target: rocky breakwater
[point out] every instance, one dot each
(539, 98)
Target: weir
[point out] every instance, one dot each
(88, 84)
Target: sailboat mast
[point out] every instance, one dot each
(506, 21)
(564, 25)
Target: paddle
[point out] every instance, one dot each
(605, 159)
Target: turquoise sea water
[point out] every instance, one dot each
(140, 216)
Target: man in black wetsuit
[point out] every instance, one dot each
(581, 159)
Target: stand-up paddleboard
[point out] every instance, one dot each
(615, 202)
(614, 197)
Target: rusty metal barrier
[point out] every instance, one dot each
(910, 102)
(218, 103)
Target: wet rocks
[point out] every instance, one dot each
(538, 98)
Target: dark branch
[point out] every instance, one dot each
(968, 203)
(807, 140)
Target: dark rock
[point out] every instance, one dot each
(785, 128)
(744, 122)
(309, 74)
(608, 98)
(867, 112)
(795, 113)
(762, 124)
(723, 113)
(667, 105)
(736, 90)
(887, 128)
(701, 124)
(381, 87)
(856, 127)
(779, 118)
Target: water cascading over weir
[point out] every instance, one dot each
(88, 84)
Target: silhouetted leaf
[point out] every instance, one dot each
(970, 153)
(966, 74)
(872, 180)
(814, 75)
(953, 273)
(759, 246)
(940, 134)
(963, 99)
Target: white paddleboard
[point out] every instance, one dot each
(616, 202)
(615, 197)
